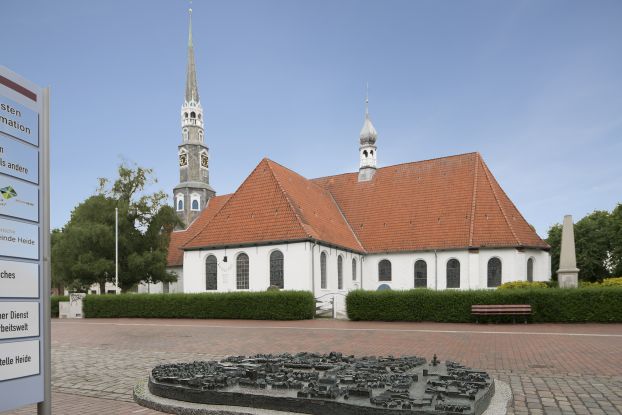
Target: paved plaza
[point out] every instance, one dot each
(551, 369)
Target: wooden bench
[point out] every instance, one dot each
(501, 310)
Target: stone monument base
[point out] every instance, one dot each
(498, 404)
(569, 279)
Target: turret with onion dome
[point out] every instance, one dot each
(367, 149)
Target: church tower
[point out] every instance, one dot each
(367, 149)
(193, 191)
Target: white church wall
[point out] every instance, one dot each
(296, 265)
(332, 290)
(473, 267)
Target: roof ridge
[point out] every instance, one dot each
(199, 231)
(474, 201)
(345, 219)
(287, 198)
(400, 164)
(494, 193)
(224, 204)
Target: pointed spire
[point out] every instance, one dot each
(192, 90)
(368, 133)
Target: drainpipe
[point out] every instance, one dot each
(435, 271)
(313, 267)
(361, 262)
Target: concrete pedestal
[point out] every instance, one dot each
(568, 279)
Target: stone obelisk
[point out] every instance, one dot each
(568, 273)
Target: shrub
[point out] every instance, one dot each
(612, 282)
(600, 304)
(54, 300)
(522, 284)
(267, 305)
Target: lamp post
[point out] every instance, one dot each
(116, 250)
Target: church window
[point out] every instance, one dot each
(183, 159)
(339, 273)
(453, 273)
(365, 153)
(384, 270)
(353, 269)
(185, 114)
(323, 270)
(421, 274)
(199, 116)
(371, 152)
(180, 204)
(530, 262)
(494, 272)
(204, 161)
(195, 202)
(211, 273)
(185, 134)
(193, 114)
(242, 271)
(276, 269)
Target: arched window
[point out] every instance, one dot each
(384, 270)
(421, 274)
(353, 269)
(323, 270)
(180, 204)
(530, 262)
(339, 273)
(453, 273)
(211, 273)
(276, 269)
(365, 153)
(494, 272)
(371, 152)
(199, 116)
(185, 114)
(195, 205)
(241, 272)
(193, 114)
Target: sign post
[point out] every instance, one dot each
(25, 284)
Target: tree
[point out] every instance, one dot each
(616, 241)
(84, 251)
(593, 243)
(145, 223)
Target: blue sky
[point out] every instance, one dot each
(534, 86)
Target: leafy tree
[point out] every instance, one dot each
(615, 261)
(593, 243)
(83, 253)
(85, 250)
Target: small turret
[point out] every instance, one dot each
(367, 149)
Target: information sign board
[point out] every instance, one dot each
(24, 244)
(19, 279)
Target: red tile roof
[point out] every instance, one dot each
(449, 202)
(276, 204)
(178, 239)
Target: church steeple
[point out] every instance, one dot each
(367, 148)
(192, 89)
(193, 191)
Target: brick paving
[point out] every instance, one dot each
(551, 369)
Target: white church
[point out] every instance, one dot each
(442, 224)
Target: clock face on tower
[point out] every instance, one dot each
(204, 161)
(183, 159)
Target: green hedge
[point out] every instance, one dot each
(54, 303)
(273, 305)
(603, 304)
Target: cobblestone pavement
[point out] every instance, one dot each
(551, 369)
